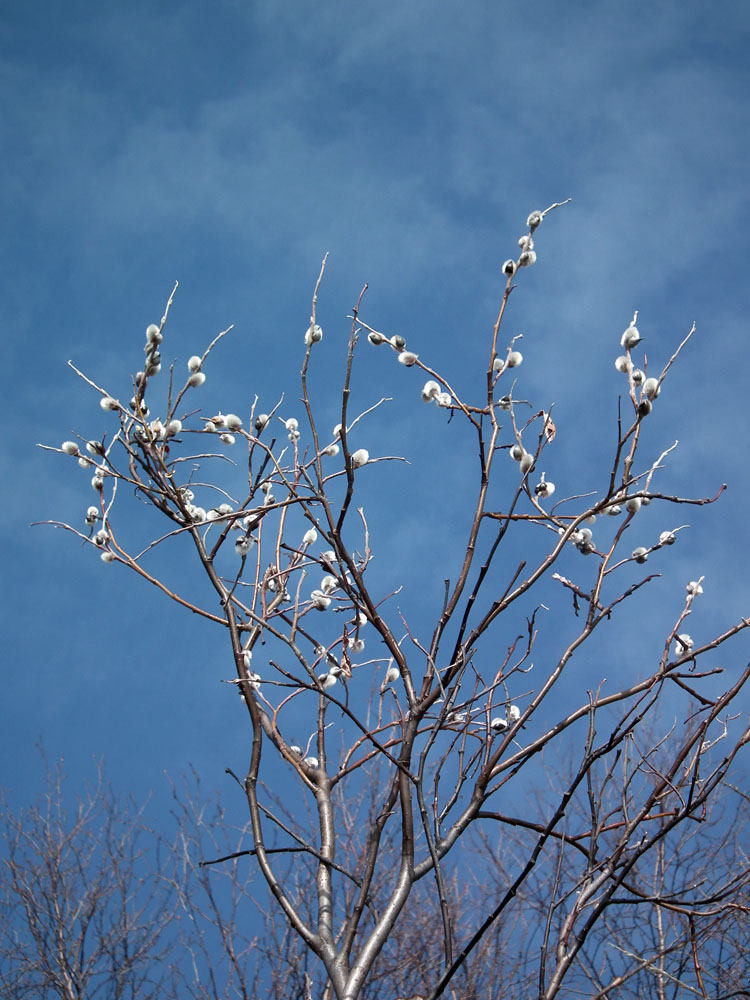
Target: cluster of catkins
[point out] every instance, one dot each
(645, 389)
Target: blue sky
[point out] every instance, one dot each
(229, 146)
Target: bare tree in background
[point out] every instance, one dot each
(81, 914)
(94, 904)
(379, 741)
(679, 924)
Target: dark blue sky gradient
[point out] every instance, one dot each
(231, 145)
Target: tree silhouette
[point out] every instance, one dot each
(384, 744)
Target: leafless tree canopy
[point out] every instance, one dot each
(385, 749)
(82, 914)
(96, 904)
